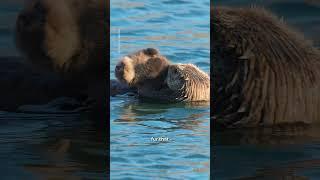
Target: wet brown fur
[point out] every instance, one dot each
(189, 82)
(264, 72)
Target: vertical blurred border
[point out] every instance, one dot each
(107, 58)
(212, 124)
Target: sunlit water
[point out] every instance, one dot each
(42, 145)
(272, 154)
(180, 30)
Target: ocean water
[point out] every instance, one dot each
(180, 30)
(290, 153)
(42, 145)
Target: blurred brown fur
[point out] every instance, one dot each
(68, 38)
(264, 72)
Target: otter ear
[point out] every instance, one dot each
(151, 51)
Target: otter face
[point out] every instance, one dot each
(176, 79)
(125, 71)
(140, 66)
(33, 19)
(47, 33)
(30, 33)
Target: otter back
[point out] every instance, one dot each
(264, 72)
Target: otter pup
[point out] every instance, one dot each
(145, 70)
(67, 38)
(264, 72)
(64, 36)
(188, 82)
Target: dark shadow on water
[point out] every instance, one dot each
(286, 171)
(64, 146)
(281, 152)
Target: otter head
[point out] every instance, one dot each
(125, 71)
(142, 65)
(47, 33)
(176, 78)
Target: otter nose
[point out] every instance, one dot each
(118, 67)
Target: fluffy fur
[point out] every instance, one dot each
(142, 68)
(264, 72)
(189, 82)
(65, 36)
(68, 38)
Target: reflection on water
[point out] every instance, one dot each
(50, 146)
(281, 152)
(273, 153)
(180, 30)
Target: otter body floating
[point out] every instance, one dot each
(155, 77)
(264, 72)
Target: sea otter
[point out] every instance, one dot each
(145, 70)
(155, 77)
(264, 73)
(188, 82)
(69, 38)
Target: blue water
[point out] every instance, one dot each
(40, 145)
(272, 154)
(180, 30)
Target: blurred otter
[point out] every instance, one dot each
(67, 37)
(188, 82)
(264, 72)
